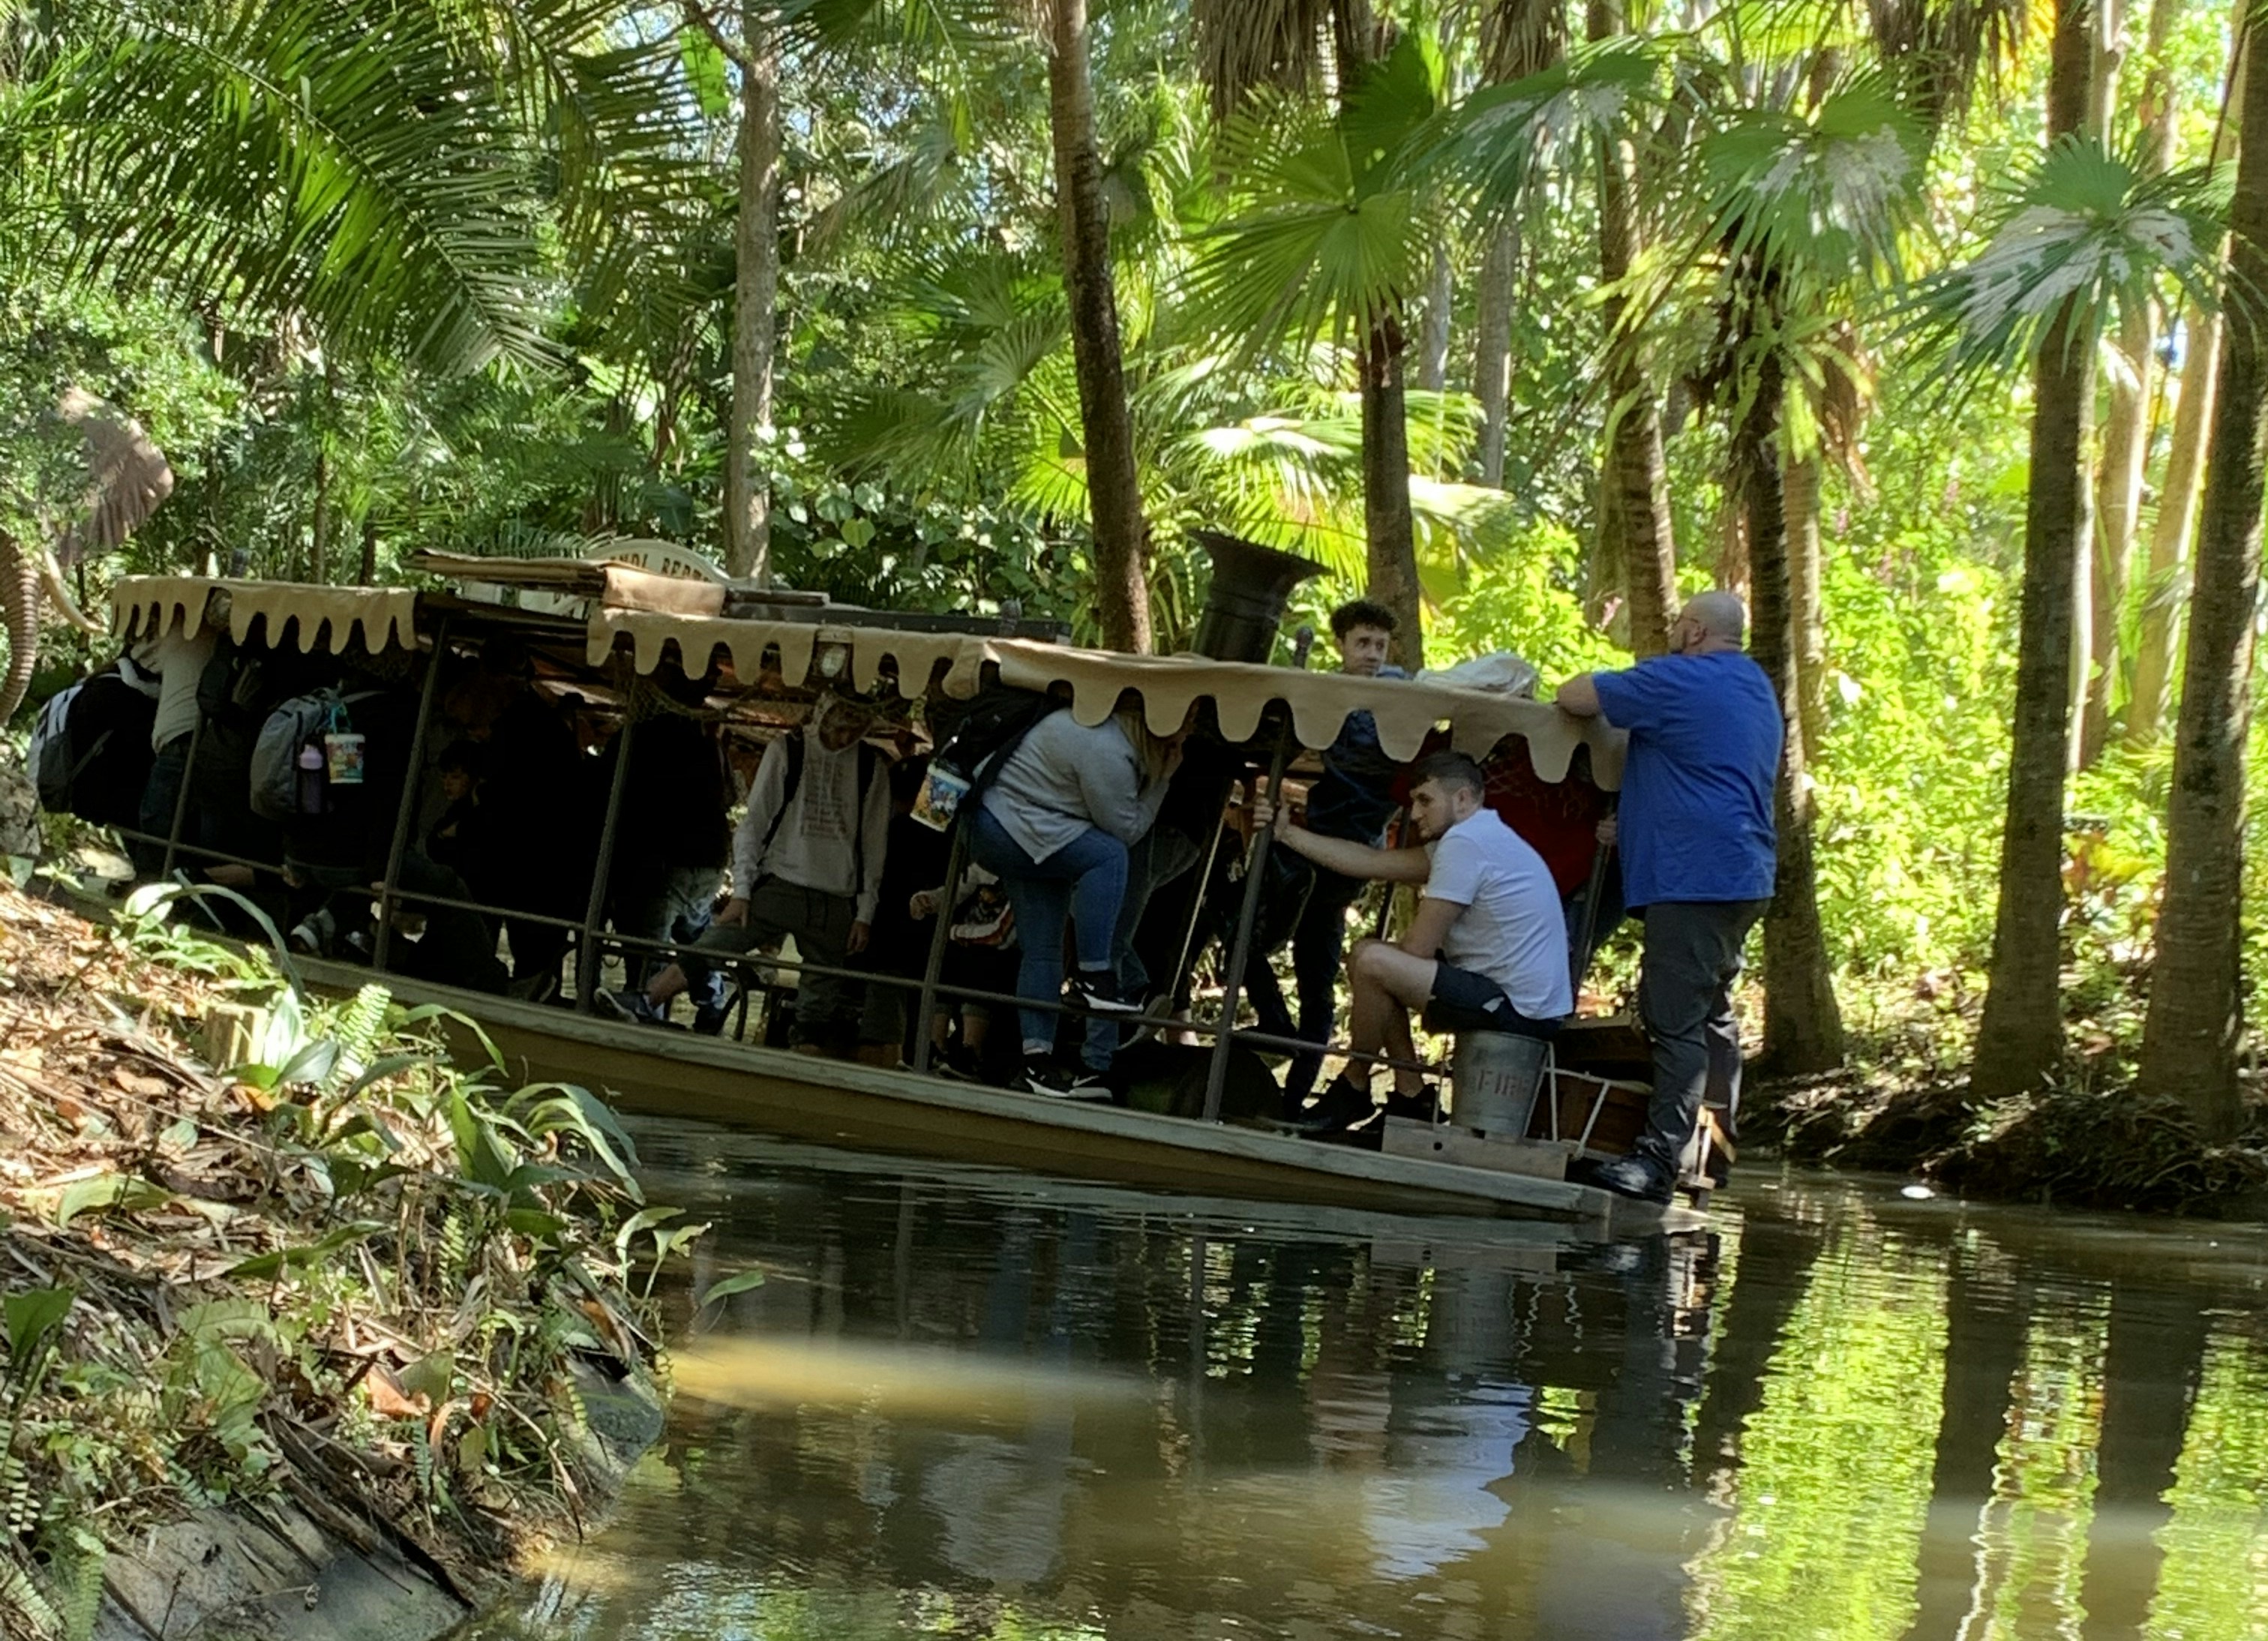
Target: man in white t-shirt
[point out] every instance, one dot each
(1487, 951)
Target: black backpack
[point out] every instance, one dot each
(991, 728)
(91, 753)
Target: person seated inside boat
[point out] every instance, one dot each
(1055, 826)
(1486, 952)
(807, 861)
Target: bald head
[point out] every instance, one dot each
(1709, 622)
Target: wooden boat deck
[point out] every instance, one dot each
(664, 1072)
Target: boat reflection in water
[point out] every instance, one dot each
(982, 1404)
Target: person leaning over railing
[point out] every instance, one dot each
(1055, 826)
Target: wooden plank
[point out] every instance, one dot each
(1446, 1142)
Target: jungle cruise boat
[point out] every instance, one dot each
(643, 628)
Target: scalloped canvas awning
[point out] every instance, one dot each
(1168, 684)
(146, 606)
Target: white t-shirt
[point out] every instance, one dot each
(1512, 929)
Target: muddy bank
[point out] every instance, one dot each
(308, 1332)
(2080, 1148)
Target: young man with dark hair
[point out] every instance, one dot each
(1487, 951)
(1351, 801)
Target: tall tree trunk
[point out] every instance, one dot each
(2189, 1036)
(1433, 335)
(2178, 493)
(1493, 346)
(2126, 425)
(1114, 491)
(1387, 526)
(367, 574)
(320, 552)
(1799, 496)
(1634, 417)
(755, 298)
(2019, 1040)
(1803, 1027)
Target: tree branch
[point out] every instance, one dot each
(736, 50)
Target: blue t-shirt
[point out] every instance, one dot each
(1353, 799)
(1697, 807)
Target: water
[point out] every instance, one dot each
(971, 1403)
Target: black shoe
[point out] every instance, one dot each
(630, 1007)
(1627, 1176)
(1098, 990)
(1424, 1108)
(1337, 1109)
(1062, 1082)
(709, 1019)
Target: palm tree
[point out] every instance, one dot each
(2190, 1035)
(1114, 490)
(2082, 236)
(1328, 234)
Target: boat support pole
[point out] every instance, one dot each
(405, 814)
(586, 948)
(182, 799)
(1255, 873)
(939, 937)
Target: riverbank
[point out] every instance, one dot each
(2076, 1147)
(308, 1332)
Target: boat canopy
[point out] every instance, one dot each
(955, 663)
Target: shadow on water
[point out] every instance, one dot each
(970, 1402)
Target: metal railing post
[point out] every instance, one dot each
(405, 816)
(947, 898)
(586, 950)
(181, 797)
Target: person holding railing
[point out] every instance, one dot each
(1055, 826)
(1486, 952)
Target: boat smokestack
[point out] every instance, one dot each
(1250, 586)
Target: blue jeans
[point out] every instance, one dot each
(1084, 881)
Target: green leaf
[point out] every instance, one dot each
(107, 1190)
(32, 1315)
(640, 1221)
(742, 1282)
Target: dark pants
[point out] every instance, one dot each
(1318, 941)
(1685, 999)
(159, 798)
(820, 923)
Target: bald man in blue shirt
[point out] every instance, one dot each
(1699, 853)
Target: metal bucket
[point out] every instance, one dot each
(1493, 1081)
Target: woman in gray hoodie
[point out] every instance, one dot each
(1054, 827)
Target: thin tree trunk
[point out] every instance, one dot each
(2020, 1039)
(319, 560)
(755, 299)
(1633, 416)
(1803, 1027)
(2178, 494)
(1387, 522)
(2189, 1036)
(1493, 346)
(367, 574)
(2126, 426)
(1433, 335)
(1114, 491)
(1800, 493)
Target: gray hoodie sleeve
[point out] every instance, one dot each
(1110, 782)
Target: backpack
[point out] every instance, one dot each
(90, 752)
(869, 760)
(301, 723)
(991, 727)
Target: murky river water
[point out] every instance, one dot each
(974, 1403)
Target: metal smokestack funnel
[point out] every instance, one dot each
(1250, 585)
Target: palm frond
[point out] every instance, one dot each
(2081, 230)
(1496, 141)
(1246, 45)
(343, 160)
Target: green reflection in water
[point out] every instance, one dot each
(2036, 1531)
(2215, 1584)
(1834, 1466)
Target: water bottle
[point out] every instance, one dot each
(311, 779)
